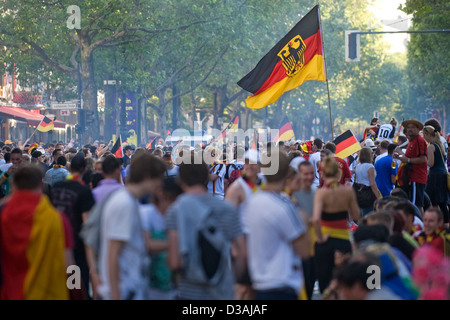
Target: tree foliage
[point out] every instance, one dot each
(428, 59)
(185, 57)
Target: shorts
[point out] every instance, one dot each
(416, 193)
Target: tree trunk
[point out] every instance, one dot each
(89, 89)
(143, 127)
(215, 113)
(176, 105)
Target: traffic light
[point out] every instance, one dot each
(89, 116)
(352, 40)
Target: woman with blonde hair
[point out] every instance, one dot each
(365, 179)
(436, 187)
(334, 206)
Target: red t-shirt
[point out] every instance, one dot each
(344, 171)
(417, 147)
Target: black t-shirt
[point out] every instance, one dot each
(72, 198)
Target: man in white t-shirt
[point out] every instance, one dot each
(277, 239)
(123, 262)
(314, 158)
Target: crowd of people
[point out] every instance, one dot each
(149, 226)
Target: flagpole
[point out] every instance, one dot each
(326, 75)
(228, 126)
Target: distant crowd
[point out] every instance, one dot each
(140, 224)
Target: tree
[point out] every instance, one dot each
(428, 59)
(40, 31)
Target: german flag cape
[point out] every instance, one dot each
(294, 59)
(32, 249)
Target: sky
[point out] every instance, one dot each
(387, 10)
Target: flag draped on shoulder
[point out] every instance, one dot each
(346, 144)
(117, 149)
(46, 125)
(33, 246)
(286, 132)
(296, 58)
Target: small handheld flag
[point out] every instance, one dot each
(296, 58)
(46, 125)
(117, 149)
(152, 144)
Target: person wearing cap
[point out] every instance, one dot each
(9, 143)
(238, 194)
(416, 155)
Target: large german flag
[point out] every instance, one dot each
(294, 59)
(46, 125)
(346, 144)
(32, 249)
(286, 132)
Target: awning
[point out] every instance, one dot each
(31, 118)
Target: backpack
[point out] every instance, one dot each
(204, 249)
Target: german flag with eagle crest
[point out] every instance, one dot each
(294, 59)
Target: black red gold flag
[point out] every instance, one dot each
(117, 149)
(296, 58)
(46, 125)
(286, 132)
(346, 144)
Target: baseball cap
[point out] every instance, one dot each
(252, 155)
(8, 142)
